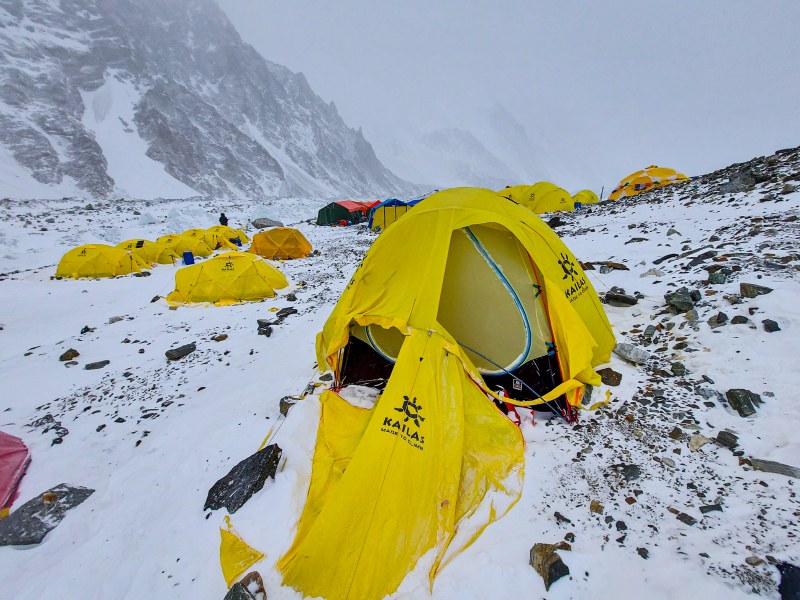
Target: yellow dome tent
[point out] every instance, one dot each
(542, 197)
(180, 244)
(212, 240)
(228, 233)
(98, 260)
(466, 292)
(227, 279)
(150, 252)
(280, 243)
(646, 179)
(585, 197)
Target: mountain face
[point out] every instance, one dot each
(154, 98)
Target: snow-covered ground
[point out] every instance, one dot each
(151, 437)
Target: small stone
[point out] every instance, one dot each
(667, 461)
(220, 338)
(291, 297)
(727, 439)
(629, 472)
(266, 330)
(620, 300)
(180, 352)
(769, 466)
(751, 290)
(770, 326)
(632, 353)
(739, 320)
(695, 295)
(113, 320)
(630, 500)
(561, 518)
(69, 355)
(753, 561)
(620, 525)
(692, 315)
(610, 377)
(649, 332)
(596, 507)
(697, 441)
(86, 329)
(285, 312)
(119, 420)
(96, 365)
(717, 278)
(286, 403)
(643, 552)
(680, 299)
(684, 518)
(717, 320)
(678, 369)
(710, 508)
(743, 401)
(155, 298)
(673, 231)
(788, 188)
(677, 433)
(547, 563)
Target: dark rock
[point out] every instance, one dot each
(326, 377)
(649, 332)
(770, 326)
(155, 298)
(695, 295)
(264, 223)
(739, 320)
(768, 466)
(617, 299)
(701, 258)
(555, 222)
(658, 261)
(291, 297)
(69, 355)
(629, 471)
(621, 526)
(180, 352)
(684, 518)
(789, 587)
(743, 401)
(264, 323)
(610, 377)
(286, 403)
(710, 508)
(676, 434)
(97, 365)
(244, 480)
(678, 369)
(718, 320)
(31, 522)
(251, 587)
(285, 312)
(680, 299)
(740, 181)
(751, 290)
(265, 330)
(561, 518)
(728, 439)
(547, 563)
(717, 278)
(643, 552)
(86, 329)
(220, 338)
(636, 240)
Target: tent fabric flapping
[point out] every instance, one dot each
(646, 179)
(94, 261)
(179, 244)
(14, 460)
(344, 210)
(466, 292)
(280, 243)
(149, 252)
(386, 213)
(585, 197)
(541, 197)
(227, 279)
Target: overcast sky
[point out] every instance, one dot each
(616, 85)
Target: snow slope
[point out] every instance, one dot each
(151, 437)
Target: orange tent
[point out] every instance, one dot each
(280, 243)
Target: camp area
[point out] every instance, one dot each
(280, 243)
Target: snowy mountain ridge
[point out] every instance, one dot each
(163, 99)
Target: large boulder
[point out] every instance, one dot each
(32, 521)
(265, 223)
(244, 480)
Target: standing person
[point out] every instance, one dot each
(223, 220)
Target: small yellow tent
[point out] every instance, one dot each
(227, 279)
(542, 197)
(228, 233)
(150, 252)
(99, 260)
(585, 197)
(465, 293)
(280, 243)
(180, 244)
(212, 240)
(646, 179)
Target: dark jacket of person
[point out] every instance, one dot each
(223, 220)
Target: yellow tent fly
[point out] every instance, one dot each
(585, 197)
(227, 279)
(235, 555)
(228, 233)
(150, 252)
(180, 244)
(542, 197)
(464, 294)
(99, 260)
(644, 180)
(212, 240)
(280, 243)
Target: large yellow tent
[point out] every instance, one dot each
(227, 279)
(212, 240)
(99, 260)
(228, 233)
(280, 243)
(180, 244)
(541, 197)
(150, 252)
(465, 293)
(585, 197)
(646, 179)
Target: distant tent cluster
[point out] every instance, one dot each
(344, 212)
(545, 197)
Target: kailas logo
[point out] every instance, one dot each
(82, 252)
(407, 427)
(411, 410)
(228, 266)
(567, 266)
